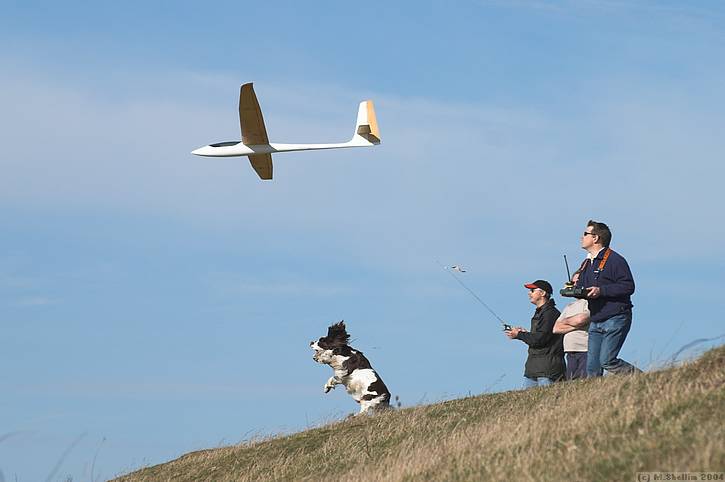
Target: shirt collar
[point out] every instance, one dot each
(592, 257)
(550, 301)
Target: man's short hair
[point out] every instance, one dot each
(601, 230)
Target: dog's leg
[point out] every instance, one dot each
(365, 406)
(374, 405)
(331, 384)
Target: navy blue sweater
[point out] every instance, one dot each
(615, 283)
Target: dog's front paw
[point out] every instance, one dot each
(330, 384)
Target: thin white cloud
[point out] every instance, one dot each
(594, 7)
(13, 281)
(676, 16)
(36, 301)
(230, 284)
(447, 177)
(165, 389)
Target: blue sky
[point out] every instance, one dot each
(154, 303)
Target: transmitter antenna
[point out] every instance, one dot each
(566, 263)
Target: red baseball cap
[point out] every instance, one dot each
(541, 284)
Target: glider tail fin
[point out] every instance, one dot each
(366, 129)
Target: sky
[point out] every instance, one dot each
(153, 302)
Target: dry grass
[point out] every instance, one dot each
(604, 429)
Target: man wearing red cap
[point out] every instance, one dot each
(545, 363)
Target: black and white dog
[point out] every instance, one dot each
(352, 369)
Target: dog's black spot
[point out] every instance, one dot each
(342, 351)
(355, 361)
(378, 387)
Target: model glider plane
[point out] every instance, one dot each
(256, 145)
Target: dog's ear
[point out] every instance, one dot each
(337, 333)
(340, 325)
(336, 329)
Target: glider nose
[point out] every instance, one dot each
(202, 151)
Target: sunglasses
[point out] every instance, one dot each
(589, 234)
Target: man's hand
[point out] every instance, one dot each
(593, 292)
(513, 332)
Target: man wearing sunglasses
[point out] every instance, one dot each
(609, 284)
(545, 363)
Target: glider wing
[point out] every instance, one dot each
(250, 117)
(253, 130)
(262, 163)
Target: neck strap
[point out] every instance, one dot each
(602, 263)
(604, 259)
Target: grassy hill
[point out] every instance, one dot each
(603, 429)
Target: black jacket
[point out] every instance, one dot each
(546, 350)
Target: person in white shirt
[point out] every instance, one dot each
(573, 324)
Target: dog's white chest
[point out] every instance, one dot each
(359, 381)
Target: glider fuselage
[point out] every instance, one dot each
(238, 148)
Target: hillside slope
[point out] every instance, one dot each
(603, 429)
